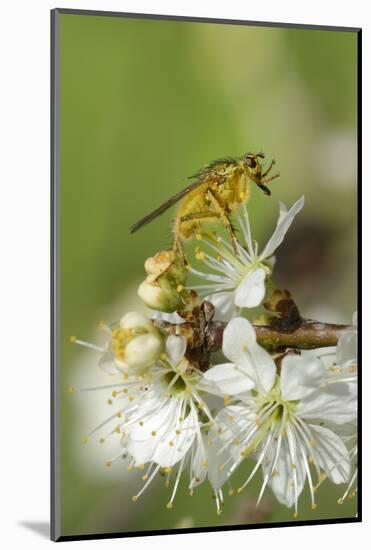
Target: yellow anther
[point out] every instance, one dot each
(167, 470)
(204, 463)
(153, 434)
(239, 490)
(218, 512)
(171, 444)
(169, 505)
(340, 501)
(314, 506)
(178, 432)
(108, 463)
(130, 468)
(84, 439)
(118, 429)
(231, 492)
(114, 393)
(102, 440)
(73, 339)
(145, 477)
(141, 423)
(72, 389)
(119, 415)
(221, 467)
(227, 399)
(109, 401)
(179, 288)
(141, 466)
(134, 498)
(199, 236)
(101, 325)
(295, 515)
(191, 493)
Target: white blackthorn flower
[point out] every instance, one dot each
(239, 281)
(278, 416)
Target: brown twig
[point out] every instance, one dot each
(286, 329)
(310, 335)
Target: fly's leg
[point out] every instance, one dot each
(273, 162)
(272, 178)
(263, 181)
(177, 244)
(194, 216)
(221, 212)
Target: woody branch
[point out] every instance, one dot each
(286, 328)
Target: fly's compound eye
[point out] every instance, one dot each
(250, 161)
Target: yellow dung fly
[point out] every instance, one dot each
(218, 189)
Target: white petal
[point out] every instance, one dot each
(200, 462)
(175, 348)
(282, 483)
(228, 379)
(107, 363)
(251, 290)
(346, 351)
(300, 376)
(143, 351)
(284, 221)
(169, 317)
(240, 347)
(223, 454)
(335, 402)
(224, 305)
(282, 211)
(174, 446)
(331, 454)
(134, 320)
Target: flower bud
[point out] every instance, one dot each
(136, 343)
(163, 288)
(165, 263)
(159, 295)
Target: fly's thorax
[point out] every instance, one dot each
(193, 204)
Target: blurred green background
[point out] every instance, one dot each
(143, 105)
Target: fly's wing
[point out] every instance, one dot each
(161, 209)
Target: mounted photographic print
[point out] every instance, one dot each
(205, 282)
